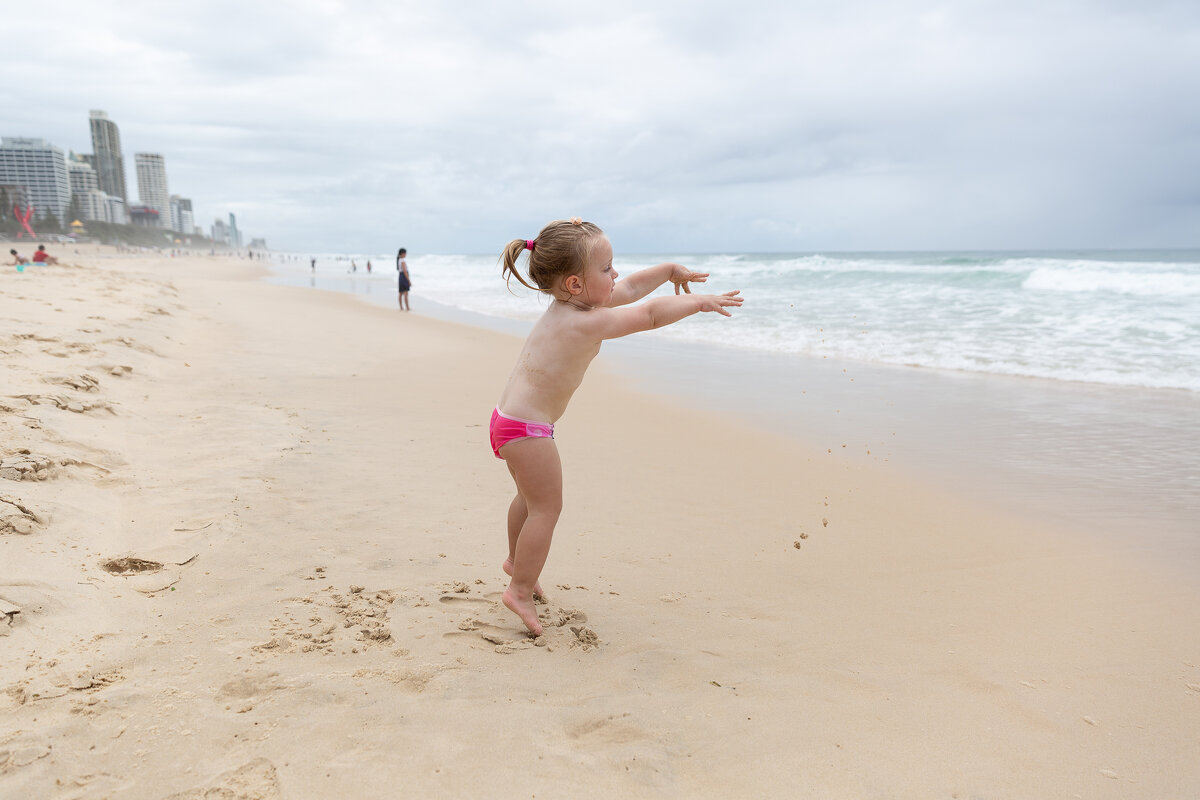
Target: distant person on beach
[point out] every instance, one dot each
(368, 266)
(353, 265)
(313, 263)
(42, 257)
(571, 261)
(18, 259)
(404, 282)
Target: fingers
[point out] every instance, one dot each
(719, 302)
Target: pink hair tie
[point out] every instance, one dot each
(529, 243)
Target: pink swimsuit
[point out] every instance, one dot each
(505, 429)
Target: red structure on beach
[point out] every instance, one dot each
(24, 220)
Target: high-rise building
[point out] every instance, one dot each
(117, 212)
(182, 219)
(90, 202)
(106, 155)
(83, 177)
(235, 236)
(93, 205)
(152, 185)
(42, 169)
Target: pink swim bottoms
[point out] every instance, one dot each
(505, 429)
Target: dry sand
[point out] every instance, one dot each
(250, 546)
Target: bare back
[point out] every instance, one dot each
(551, 365)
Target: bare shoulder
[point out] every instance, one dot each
(594, 324)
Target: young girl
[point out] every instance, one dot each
(571, 261)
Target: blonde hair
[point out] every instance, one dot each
(561, 248)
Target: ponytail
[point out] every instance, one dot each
(508, 259)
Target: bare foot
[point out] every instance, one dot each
(507, 566)
(523, 609)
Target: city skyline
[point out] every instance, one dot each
(93, 185)
(772, 127)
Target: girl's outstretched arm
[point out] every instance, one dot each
(616, 322)
(645, 281)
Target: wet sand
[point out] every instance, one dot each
(1118, 463)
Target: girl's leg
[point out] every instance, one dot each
(517, 512)
(537, 471)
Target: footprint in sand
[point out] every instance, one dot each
(615, 729)
(21, 750)
(257, 779)
(481, 635)
(15, 517)
(82, 382)
(492, 626)
(360, 615)
(129, 565)
(145, 575)
(66, 403)
(68, 349)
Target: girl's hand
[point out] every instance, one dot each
(681, 275)
(719, 302)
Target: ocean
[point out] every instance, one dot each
(1116, 318)
(1064, 385)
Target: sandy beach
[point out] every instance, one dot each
(250, 547)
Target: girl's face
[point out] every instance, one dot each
(599, 277)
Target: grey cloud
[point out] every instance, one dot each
(676, 126)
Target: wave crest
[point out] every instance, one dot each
(1050, 279)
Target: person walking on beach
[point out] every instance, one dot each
(313, 264)
(368, 266)
(570, 260)
(404, 282)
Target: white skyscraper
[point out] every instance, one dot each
(42, 169)
(152, 185)
(106, 155)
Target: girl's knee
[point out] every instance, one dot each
(546, 507)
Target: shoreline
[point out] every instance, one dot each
(1119, 461)
(729, 614)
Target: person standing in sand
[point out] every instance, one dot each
(404, 282)
(570, 260)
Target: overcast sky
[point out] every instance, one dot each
(676, 126)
